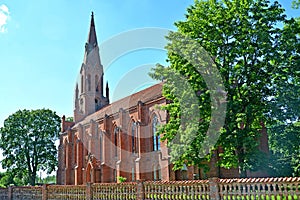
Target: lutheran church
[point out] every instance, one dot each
(108, 140)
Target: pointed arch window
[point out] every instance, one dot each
(89, 82)
(75, 151)
(115, 175)
(132, 174)
(156, 138)
(133, 139)
(81, 84)
(65, 151)
(101, 84)
(101, 145)
(156, 173)
(116, 131)
(159, 173)
(97, 83)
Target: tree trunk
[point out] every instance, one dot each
(242, 171)
(32, 178)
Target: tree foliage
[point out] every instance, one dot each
(9, 178)
(28, 142)
(256, 60)
(284, 133)
(49, 179)
(296, 4)
(285, 148)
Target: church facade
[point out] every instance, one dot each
(111, 140)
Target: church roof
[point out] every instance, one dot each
(147, 95)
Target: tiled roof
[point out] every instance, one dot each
(149, 94)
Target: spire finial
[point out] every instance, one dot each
(92, 38)
(92, 19)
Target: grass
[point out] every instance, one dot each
(236, 197)
(262, 197)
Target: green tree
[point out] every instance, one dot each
(296, 4)
(10, 178)
(70, 119)
(6, 179)
(286, 76)
(28, 142)
(50, 179)
(285, 149)
(246, 46)
(284, 132)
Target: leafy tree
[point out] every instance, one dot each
(284, 132)
(6, 179)
(27, 142)
(285, 148)
(50, 179)
(296, 4)
(10, 178)
(252, 54)
(286, 76)
(70, 119)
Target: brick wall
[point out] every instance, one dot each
(80, 145)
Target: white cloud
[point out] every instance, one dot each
(4, 15)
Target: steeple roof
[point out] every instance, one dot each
(92, 37)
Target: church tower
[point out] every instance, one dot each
(89, 87)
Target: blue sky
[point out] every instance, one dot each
(42, 46)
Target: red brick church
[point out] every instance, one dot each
(109, 140)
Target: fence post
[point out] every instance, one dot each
(214, 188)
(10, 191)
(44, 192)
(140, 193)
(89, 191)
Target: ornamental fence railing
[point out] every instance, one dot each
(214, 189)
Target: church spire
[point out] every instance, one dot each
(89, 90)
(92, 38)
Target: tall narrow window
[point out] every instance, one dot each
(101, 146)
(154, 173)
(101, 83)
(75, 151)
(115, 175)
(156, 138)
(67, 155)
(159, 173)
(64, 155)
(133, 140)
(81, 84)
(132, 174)
(97, 83)
(89, 82)
(116, 140)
